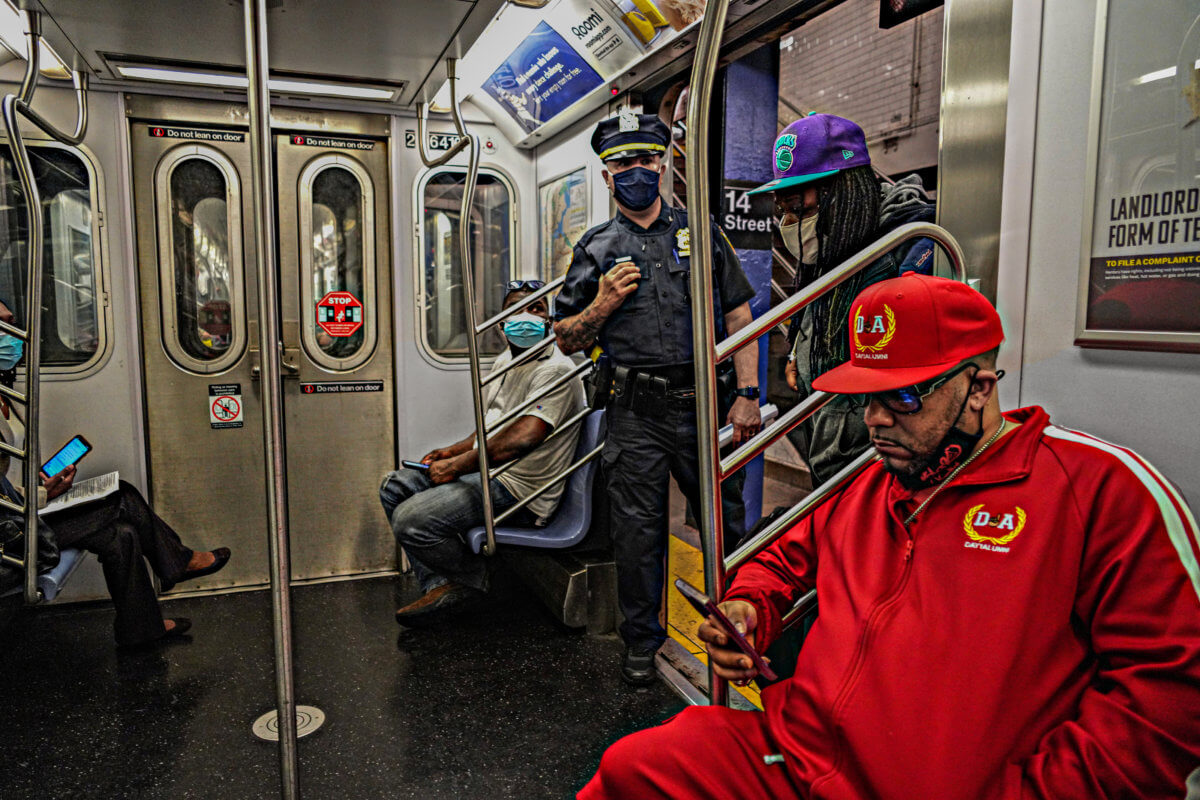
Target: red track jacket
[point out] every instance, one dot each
(1035, 634)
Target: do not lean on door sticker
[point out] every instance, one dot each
(340, 314)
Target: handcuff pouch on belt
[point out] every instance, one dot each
(599, 383)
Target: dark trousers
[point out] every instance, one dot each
(640, 453)
(121, 529)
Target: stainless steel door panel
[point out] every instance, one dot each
(206, 481)
(339, 442)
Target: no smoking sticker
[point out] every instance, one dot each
(225, 405)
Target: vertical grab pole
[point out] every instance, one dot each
(469, 142)
(704, 69)
(263, 178)
(464, 246)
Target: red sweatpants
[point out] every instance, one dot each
(701, 753)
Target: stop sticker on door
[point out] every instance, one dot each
(339, 314)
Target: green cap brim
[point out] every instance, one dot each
(795, 180)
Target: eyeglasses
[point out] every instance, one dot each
(793, 205)
(523, 286)
(907, 400)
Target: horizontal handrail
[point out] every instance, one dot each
(531, 352)
(13, 330)
(559, 430)
(802, 607)
(562, 476)
(13, 560)
(860, 260)
(12, 450)
(11, 506)
(780, 526)
(527, 301)
(12, 394)
(538, 395)
(759, 442)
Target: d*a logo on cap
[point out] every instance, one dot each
(783, 151)
(870, 325)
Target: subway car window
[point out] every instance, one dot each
(201, 259)
(71, 319)
(492, 254)
(337, 258)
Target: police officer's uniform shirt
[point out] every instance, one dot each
(517, 386)
(653, 327)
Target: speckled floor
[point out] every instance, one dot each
(503, 704)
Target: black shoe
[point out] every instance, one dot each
(638, 667)
(182, 626)
(438, 604)
(221, 558)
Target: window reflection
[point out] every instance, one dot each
(71, 315)
(200, 239)
(337, 253)
(491, 257)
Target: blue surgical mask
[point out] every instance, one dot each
(524, 330)
(11, 349)
(636, 188)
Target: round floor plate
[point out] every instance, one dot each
(308, 719)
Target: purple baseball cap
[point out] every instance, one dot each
(814, 147)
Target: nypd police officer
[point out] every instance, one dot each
(628, 290)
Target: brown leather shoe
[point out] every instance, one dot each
(437, 604)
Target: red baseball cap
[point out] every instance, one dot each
(910, 329)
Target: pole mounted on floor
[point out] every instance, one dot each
(265, 233)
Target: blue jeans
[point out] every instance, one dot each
(431, 523)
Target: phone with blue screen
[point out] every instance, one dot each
(68, 454)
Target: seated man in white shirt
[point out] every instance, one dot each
(431, 510)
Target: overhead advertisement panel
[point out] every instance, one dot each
(571, 51)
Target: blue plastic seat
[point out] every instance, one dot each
(52, 581)
(574, 513)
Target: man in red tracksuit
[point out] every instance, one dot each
(1009, 609)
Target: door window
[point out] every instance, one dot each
(202, 297)
(441, 289)
(337, 236)
(72, 323)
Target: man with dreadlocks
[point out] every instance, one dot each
(829, 204)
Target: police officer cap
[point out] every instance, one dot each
(629, 134)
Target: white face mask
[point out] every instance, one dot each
(800, 238)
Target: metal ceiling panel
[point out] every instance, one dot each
(362, 40)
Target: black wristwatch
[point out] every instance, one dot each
(748, 391)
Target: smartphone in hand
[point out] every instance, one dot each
(707, 608)
(70, 453)
(415, 465)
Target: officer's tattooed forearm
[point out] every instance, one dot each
(577, 332)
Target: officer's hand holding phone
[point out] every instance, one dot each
(616, 285)
(728, 661)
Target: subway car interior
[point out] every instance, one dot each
(232, 245)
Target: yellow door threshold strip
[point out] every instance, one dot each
(685, 561)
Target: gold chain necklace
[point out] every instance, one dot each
(958, 469)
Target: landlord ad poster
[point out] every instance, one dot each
(1144, 267)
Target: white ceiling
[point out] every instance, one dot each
(364, 40)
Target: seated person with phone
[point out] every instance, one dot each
(431, 504)
(121, 529)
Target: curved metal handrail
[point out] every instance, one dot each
(470, 143)
(15, 105)
(704, 68)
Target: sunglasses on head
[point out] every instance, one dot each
(907, 400)
(523, 286)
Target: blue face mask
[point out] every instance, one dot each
(11, 349)
(636, 188)
(524, 330)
